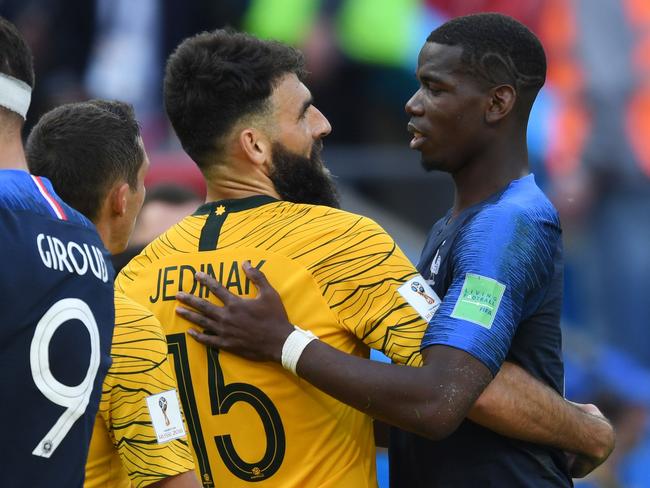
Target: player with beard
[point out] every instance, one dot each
(244, 116)
(302, 180)
(495, 260)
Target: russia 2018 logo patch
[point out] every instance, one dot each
(420, 296)
(166, 416)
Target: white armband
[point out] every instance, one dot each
(294, 346)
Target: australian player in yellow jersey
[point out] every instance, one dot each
(243, 114)
(93, 154)
(340, 274)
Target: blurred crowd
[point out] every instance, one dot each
(589, 139)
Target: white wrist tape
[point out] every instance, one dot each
(15, 95)
(294, 346)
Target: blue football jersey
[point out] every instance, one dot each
(498, 268)
(56, 325)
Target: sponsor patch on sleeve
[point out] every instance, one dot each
(479, 300)
(166, 416)
(420, 296)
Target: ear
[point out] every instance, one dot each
(255, 145)
(118, 198)
(502, 101)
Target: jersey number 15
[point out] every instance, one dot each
(222, 398)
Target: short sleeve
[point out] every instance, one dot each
(501, 262)
(361, 281)
(141, 370)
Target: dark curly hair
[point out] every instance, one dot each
(215, 79)
(497, 49)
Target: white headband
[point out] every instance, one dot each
(15, 94)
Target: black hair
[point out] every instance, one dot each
(85, 148)
(15, 58)
(215, 79)
(497, 49)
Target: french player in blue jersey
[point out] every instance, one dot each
(492, 352)
(57, 316)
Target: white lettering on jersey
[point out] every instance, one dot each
(71, 257)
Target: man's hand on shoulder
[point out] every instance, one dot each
(253, 328)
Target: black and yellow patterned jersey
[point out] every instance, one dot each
(124, 450)
(338, 275)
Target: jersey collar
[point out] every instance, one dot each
(235, 205)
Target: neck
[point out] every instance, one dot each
(12, 153)
(488, 173)
(106, 235)
(224, 182)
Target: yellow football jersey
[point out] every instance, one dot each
(338, 275)
(124, 450)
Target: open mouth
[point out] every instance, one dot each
(418, 137)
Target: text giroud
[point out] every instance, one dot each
(73, 257)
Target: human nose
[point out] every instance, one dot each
(413, 105)
(322, 126)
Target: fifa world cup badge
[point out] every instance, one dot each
(420, 296)
(162, 403)
(419, 289)
(166, 417)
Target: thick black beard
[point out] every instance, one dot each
(299, 179)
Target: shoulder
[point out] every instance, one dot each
(522, 211)
(136, 328)
(332, 223)
(22, 192)
(308, 232)
(326, 217)
(517, 230)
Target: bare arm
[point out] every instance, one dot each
(517, 405)
(183, 480)
(401, 396)
(431, 401)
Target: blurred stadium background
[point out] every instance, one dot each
(589, 142)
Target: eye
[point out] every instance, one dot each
(434, 89)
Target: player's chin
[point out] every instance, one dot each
(429, 163)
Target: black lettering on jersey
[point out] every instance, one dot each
(189, 270)
(233, 278)
(166, 282)
(171, 278)
(154, 299)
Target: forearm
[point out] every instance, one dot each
(517, 405)
(430, 401)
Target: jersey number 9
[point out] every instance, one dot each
(74, 398)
